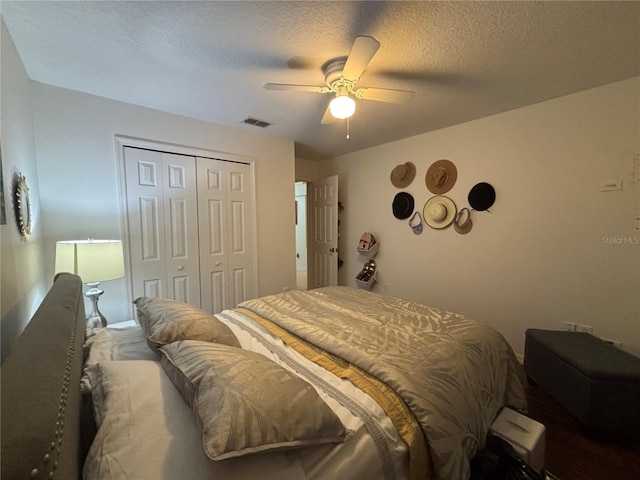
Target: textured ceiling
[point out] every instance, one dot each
(209, 60)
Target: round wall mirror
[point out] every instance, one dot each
(22, 206)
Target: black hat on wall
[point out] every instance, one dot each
(482, 196)
(403, 204)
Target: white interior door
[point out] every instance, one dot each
(226, 231)
(301, 226)
(162, 223)
(324, 245)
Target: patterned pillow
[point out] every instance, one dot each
(247, 403)
(165, 321)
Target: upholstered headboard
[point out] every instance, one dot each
(41, 398)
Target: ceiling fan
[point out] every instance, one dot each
(341, 76)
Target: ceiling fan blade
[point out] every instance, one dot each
(363, 50)
(327, 117)
(294, 88)
(384, 95)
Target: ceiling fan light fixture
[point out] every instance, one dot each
(342, 106)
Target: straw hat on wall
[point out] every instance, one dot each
(441, 176)
(403, 175)
(439, 211)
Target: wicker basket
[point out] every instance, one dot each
(371, 252)
(369, 284)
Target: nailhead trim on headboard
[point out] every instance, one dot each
(50, 459)
(42, 405)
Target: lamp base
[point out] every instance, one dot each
(95, 318)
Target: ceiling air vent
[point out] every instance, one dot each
(255, 122)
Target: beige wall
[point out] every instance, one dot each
(23, 282)
(64, 143)
(306, 170)
(76, 150)
(546, 253)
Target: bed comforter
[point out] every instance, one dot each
(453, 373)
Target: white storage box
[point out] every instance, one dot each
(524, 434)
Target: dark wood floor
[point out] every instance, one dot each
(570, 454)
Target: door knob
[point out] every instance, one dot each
(217, 264)
(180, 267)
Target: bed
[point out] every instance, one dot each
(331, 383)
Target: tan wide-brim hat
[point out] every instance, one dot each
(403, 175)
(441, 176)
(439, 211)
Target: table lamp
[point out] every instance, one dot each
(94, 261)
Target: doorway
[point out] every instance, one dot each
(301, 235)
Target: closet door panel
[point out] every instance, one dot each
(144, 198)
(150, 237)
(181, 290)
(151, 288)
(163, 235)
(237, 220)
(240, 213)
(181, 228)
(218, 291)
(240, 283)
(214, 235)
(212, 221)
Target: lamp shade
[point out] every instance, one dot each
(342, 106)
(92, 260)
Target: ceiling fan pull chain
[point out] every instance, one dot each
(348, 129)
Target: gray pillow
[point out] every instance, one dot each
(246, 403)
(164, 321)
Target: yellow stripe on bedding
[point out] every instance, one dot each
(420, 465)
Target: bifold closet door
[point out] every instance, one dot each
(162, 213)
(225, 218)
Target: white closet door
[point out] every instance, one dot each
(212, 223)
(240, 232)
(226, 232)
(163, 231)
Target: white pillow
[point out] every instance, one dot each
(147, 431)
(104, 344)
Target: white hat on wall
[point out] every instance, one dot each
(439, 211)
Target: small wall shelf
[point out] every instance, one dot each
(367, 276)
(371, 252)
(368, 248)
